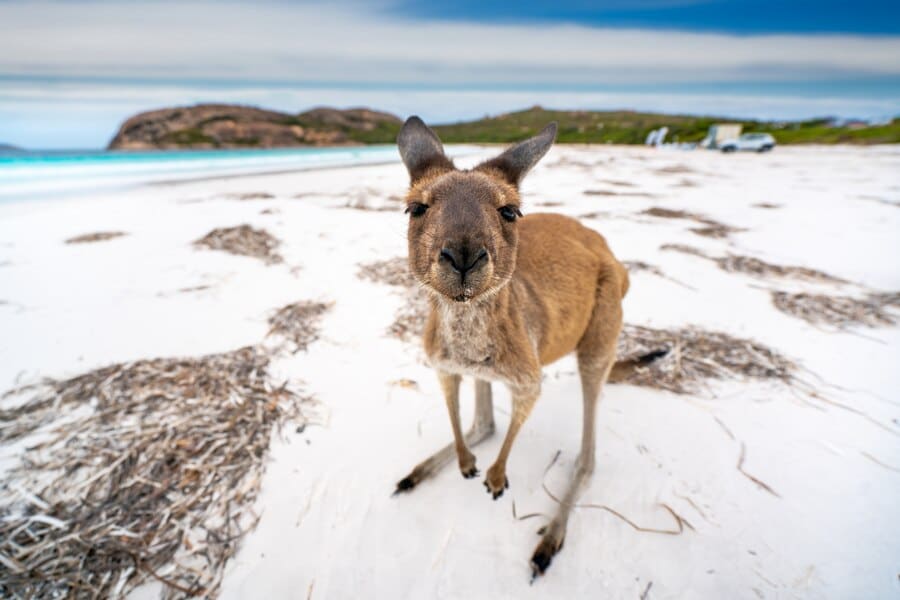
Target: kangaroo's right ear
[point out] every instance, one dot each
(516, 161)
(421, 149)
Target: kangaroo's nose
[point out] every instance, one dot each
(463, 260)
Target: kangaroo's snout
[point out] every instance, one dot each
(463, 258)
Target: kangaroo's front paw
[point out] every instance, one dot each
(467, 465)
(496, 481)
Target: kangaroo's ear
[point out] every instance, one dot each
(516, 161)
(421, 149)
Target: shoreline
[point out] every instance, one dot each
(454, 150)
(108, 185)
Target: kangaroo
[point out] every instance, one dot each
(509, 293)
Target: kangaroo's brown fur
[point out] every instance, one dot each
(508, 295)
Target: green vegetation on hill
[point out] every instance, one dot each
(188, 137)
(617, 127)
(356, 124)
(376, 132)
(232, 126)
(627, 127)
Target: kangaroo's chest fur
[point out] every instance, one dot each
(465, 340)
(481, 339)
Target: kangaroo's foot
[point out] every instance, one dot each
(410, 481)
(496, 481)
(552, 537)
(426, 469)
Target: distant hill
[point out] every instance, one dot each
(9, 148)
(232, 126)
(228, 126)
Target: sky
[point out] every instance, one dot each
(72, 70)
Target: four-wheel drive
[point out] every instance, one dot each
(755, 142)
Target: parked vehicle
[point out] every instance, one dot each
(754, 142)
(719, 133)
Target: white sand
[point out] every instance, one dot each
(329, 527)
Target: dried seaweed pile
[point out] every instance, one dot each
(393, 271)
(872, 310)
(242, 240)
(886, 298)
(635, 266)
(409, 322)
(252, 196)
(685, 249)
(565, 161)
(298, 322)
(670, 213)
(718, 231)
(618, 193)
(754, 266)
(735, 263)
(690, 355)
(597, 214)
(99, 236)
(840, 311)
(712, 228)
(373, 200)
(144, 471)
(675, 169)
(620, 182)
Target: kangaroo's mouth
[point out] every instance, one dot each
(450, 284)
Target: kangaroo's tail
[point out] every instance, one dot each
(622, 369)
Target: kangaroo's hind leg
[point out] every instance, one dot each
(482, 428)
(596, 356)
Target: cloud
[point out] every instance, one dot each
(70, 72)
(357, 43)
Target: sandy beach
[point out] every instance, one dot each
(757, 488)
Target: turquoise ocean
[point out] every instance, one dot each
(28, 175)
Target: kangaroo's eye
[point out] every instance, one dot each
(510, 212)
(416, 209)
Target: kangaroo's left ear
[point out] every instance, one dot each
(516, 161)
(421, 149)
